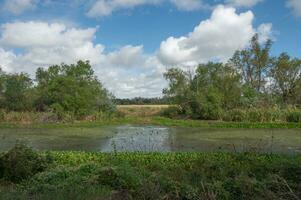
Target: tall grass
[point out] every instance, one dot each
(254, 115)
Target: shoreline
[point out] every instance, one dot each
(156, 121)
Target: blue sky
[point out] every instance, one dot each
(130, 43)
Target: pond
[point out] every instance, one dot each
(156, 139)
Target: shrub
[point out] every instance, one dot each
(235, 115)
(2, 115)
(21, 163)
(293, 116)
(273, 115)
(171, 112)
(254, 115)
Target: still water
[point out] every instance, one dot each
(156, 138)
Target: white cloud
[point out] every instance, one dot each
(188, 5)
(243, 3)
(265, 32)
(127, 72)
(19, 6)
(40, 34)
(6, 59)
(106, 7)
(127, 56)
(295, 5)
(214, 39)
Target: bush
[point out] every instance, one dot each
(170, 112)
(235, 115)
(2, 115)
(21, 163)
(254, 115)
(293, 116)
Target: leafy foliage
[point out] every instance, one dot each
(67, 90)
(71, 88)
(21, 163)
(247, 88)
(15, 92)
(164, 176)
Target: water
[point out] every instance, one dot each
(156, 139)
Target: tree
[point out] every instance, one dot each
(254, 64)
(15, 92)
(286, 75)
(213, 88)
(71, 88)
(179, 89)
(221, 78)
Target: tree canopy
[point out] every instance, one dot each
(251, 78)
(60, 88)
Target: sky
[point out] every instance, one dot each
(131, 43)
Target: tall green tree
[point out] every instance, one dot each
(213, 88)
(71, 88)
(286, 74)
(179, 90)
(254, 63)
(15, 92)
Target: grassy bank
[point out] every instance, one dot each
(131, 114)
(79, 175)
(151, 120)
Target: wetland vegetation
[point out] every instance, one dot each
(226, 131)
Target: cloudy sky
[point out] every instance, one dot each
(131, 43)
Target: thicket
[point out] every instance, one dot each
(251, 86)
(21, 163)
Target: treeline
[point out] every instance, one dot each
(142, 101)
(61, 89)
(251, 85)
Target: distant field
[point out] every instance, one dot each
(141, 110)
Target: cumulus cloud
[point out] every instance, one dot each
(6, 59)
(214, 39)
(40, 34)
(265, 32)
(19, 6)
(128, 56)
(127, 71)
(188, 5)
(106, 7)
(295, 5)
(243, 3)
(44, 44)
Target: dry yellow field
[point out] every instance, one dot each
(141, 110)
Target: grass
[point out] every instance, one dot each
(154, 120)
(133, 114)
(83, 175)
(141, 110)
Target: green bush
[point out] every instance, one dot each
(273, 115)
(170, 112)
(2, 115)
(21, 162)
(175, 176)
(235, 115)
(254, 115)
(294, 116)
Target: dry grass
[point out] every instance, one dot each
(141, 110)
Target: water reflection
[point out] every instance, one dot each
(147, 139)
